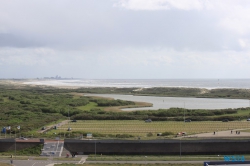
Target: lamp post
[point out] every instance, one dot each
(69, 119)
(180, 148)
(95, 147)
(15, 144)
(184, 111)
(68, 114)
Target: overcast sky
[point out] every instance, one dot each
(125, 39)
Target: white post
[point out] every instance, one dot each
(184, 111)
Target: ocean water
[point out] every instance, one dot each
(147, 83)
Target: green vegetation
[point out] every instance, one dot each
(105, 102)
(35, 107)
(93, 157)
(134, 128)
(173, 92)
(33, 151)
(32, 108)
(172, 114)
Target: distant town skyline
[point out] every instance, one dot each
(125, 39)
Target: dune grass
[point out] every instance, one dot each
(88, 107)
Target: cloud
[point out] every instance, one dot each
(125, 38)
(163, 4)
(126, 62)
(26, 56)
(12, 40)
(233, 15)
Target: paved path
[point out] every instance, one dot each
(52, 148)
(226, 133)
(51, 126)
(36, 162)
(51, 163)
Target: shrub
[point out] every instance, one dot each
(167, 133)
(124, 136)
(150, 134)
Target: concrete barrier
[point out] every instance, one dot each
(157, 147)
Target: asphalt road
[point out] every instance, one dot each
(36, 162)
(54, 149)
(145, 162)
(49, 162)
(81, 161)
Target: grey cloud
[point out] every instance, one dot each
(11, 40)
(97, 24)
(83, 38)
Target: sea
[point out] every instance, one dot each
(146, 83)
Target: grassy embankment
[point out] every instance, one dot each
(32, 108)
(158, 157)
(33, 151)
(134, 128)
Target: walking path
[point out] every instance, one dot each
(227, 133)
(51, 126)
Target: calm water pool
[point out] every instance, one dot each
(181, 102)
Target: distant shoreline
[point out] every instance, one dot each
(117, 87)
(208, 84)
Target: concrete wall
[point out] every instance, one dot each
(159, 147)
(9, 144)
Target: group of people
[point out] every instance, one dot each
(237, 132)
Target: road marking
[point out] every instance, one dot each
(57, 145)
(60, 154)
(53, 164)
(46, 162)
(82, 160)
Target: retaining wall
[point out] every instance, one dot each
(9, 144)
(156, 147)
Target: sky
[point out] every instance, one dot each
(125, 39)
